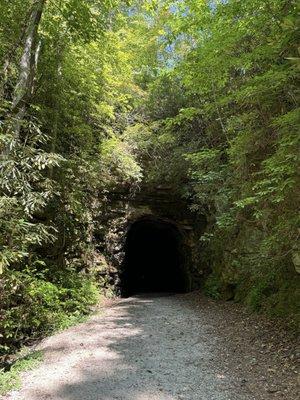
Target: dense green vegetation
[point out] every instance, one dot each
(200, 95)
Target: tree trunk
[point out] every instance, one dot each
(9, 56)
(28, 62)
(56, 105)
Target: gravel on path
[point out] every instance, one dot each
(165, 347)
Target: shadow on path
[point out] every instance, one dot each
(147, 348)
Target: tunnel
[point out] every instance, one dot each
(154, 258)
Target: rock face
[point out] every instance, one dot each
(163, 206)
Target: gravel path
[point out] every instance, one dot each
(151, 348)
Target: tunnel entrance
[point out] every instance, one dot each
(154, 258)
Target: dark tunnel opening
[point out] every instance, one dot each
(154, 258)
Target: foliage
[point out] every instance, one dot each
(35, 302)
(199, 95)
(11, 379)
(235, 133)
(53, 174)
(119, 161)
(212, 287)
(25, 190)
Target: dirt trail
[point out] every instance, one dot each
(164, 348)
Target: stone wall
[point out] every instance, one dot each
(161, 204)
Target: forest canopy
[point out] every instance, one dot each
(99, 95)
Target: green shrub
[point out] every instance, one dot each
(256, 297)
(212, 287)
(32, 306)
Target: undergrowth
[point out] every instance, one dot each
(10, 379)
(33, 306)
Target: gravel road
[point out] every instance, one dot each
(153, 347)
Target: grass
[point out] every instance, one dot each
(10, 379)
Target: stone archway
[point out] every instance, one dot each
(161, 209)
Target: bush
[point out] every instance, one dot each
(32, 305)
(212, 287)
